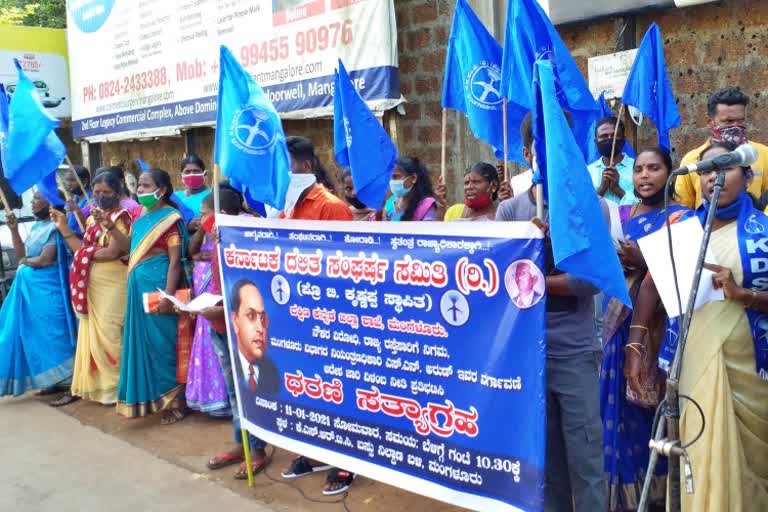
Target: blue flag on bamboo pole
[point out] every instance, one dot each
(531, 37)
(472, 82)
(648, 88)
(361, 143)
(581, 240)
(250, 143)
(30, 148)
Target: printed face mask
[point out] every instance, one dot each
(734, 134)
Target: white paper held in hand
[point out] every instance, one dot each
(686, 240)
(196, 305)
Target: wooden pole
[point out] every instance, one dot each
(506, 145)
(5, 202)
(443, 148)
(88, 200)
(616, 133)
(68, 197)
(216, 199)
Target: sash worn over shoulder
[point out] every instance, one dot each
(752, 232)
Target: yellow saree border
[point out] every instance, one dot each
(167, 401)
(151, 238)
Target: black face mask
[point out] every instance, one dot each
(107, 202)
(42, 214)
(355, 203)
(605, 146)
(653, 200)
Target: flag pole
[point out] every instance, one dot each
(88, 200)
(216, 198)
(68, 197)
(539, 191)
(616, 133)
(5, 202)
(506, 145)
(442, 149)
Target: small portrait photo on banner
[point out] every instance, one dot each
(256, 373)
(525, 283)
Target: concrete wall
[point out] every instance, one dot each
(708, 47)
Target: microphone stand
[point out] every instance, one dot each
(671, 446)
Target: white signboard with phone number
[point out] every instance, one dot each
(145, 65)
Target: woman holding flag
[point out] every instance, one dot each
(37, 326)
(725, 364)
(627, 415)
(98, 279)
(158, 242)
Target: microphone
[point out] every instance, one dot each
(744, 156)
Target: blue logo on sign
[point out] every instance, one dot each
(90, 15)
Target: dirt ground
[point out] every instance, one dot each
(192, 442)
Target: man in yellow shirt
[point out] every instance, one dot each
(727, 110)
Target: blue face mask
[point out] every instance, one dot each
(398, 188)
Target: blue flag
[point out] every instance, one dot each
(605, 111)
(250, 143)
(531, 37)
(31, 150)
(581, 241)
(472, 82)
(361, 143)
(49, 189)
(648, 87)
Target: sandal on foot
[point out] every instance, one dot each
(222, 460)
(174, 416)
(53, 390)
(257, 466)
(65, 399)
(301, 467)
(338, 482)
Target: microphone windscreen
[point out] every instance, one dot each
(749, 154)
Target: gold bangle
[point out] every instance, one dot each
(754, 299)
(632, 346)
(639, 327)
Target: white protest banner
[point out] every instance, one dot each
(158, 60)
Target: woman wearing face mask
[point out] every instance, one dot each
(360, 212)
(37, 326)
(126, 201)
(158, 246)
(98, 278)
(191, 198)
(627, 423)
(481, 185)
(412, 195)
(725, 362)
(205, 390)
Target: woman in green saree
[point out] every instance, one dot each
(148, 381)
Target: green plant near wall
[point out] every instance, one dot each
(39, 13)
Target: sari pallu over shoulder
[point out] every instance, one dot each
(148, 382)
